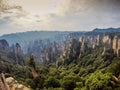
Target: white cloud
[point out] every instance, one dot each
(58, 15)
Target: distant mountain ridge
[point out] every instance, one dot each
(30, 36)
(107, 30)
(34, 35)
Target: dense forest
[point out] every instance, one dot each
(71, 61)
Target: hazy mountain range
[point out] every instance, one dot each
(26, 37)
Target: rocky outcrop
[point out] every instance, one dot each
(49, 53)
(104, 50)
(11, 53)
(14, 85)
(106, 39)
(32, 66)
(71, 52)
(113, 41)
(92, 40)
(119, 46)
(75, 48)
(4, 44)
(98, 40)
(116, 45)
(109, 44)
(11, 84)
(82, 48)
(19, 54)
(63, 46)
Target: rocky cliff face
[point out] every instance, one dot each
(114, 42)
(106, 38)
(116, 45)
(93, 40)
(12, 53)
(75, 48)
(19, 56)
(71, 52)
(108, 44)
(16, 53)
(78, 48)
(49, 53)
(82, 47)
(3, 44)
(119, 46)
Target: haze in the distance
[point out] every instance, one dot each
(26, 15)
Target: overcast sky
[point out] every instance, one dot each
(27, 15)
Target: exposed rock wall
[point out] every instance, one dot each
(106, 38)
(116, 45)
(113, 42)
